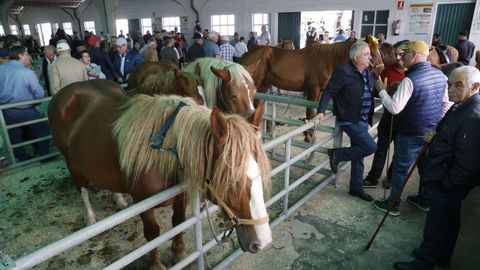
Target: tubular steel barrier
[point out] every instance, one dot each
(195, 221)
(7, 148)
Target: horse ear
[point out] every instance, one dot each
(198, 69)
(256, 118)
(251, 68)
(218, 122)
(223, 74)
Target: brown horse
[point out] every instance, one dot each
(164, 78)
(434, 58)
(286, 44)
(105, 139)
(306, 70)
(227, 85)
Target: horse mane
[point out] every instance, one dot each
(191, 133)
(335, 53)
(212, 83)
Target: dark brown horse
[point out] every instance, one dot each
(104, 136)
(164, 78)
(306, 70)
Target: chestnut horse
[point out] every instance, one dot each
(105, 137)
(164, 78)
(227, 85)
(306, 70)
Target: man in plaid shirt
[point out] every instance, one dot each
(227, 51)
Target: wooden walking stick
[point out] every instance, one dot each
(392, 203)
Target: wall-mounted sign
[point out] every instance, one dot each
(420, 19)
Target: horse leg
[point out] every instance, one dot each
(178, 245)
(90, 214)
(119, 200)
(151, 230)
(314, 96)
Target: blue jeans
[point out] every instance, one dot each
(26, 133)
(361, 145)
(407, 149)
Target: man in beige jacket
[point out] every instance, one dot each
(66, 69)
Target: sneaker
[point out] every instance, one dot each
(383, 206)
(369, 183)
(333, 162)
(416, 201)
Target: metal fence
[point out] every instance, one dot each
(287, 161)
(7, 148)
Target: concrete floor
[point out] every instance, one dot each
(331, 230)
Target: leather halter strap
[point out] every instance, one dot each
(233, 220)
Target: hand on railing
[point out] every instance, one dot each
(319, 117)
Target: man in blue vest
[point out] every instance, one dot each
(419, 103)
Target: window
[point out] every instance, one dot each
(259, 19)
(44, 31)
(26, 29)
(146, 25)
(121, 24)
(2, 32)
(169, 23)
(89, 26)
(14, 29)
(374, 22)
(225, 24)
(67, 27)
(55, 27)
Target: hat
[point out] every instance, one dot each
(121, 41)
(4, 52)
(92, 41)
(197, 35)
(62, 46)
(225, 38)
(418, 46)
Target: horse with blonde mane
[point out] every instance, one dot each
(305, 70)
(217, 154)
(164, 78)
(227, 85)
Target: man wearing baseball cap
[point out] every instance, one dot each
(66, 69)
(125, 60)
(3, 56)
(419, 103)
(99, 57)
(196, 49)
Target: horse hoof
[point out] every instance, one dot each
(91, 220)
(119, 200)
(308, 139)
(178, 256)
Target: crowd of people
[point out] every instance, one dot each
(422, 108)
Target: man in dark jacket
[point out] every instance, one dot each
(465, 48)
(196, 50)
(450, 170)
(351, 88)
(125, 60)
(100, 57)
(50, 56)
(168, 53)
(419, 103)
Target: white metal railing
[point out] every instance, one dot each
(84, 234)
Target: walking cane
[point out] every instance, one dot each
(397, 196)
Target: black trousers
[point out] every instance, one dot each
(383, 143)
(441, 227)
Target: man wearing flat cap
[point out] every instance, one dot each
(196, 49)
(125, 60)
(419, 103)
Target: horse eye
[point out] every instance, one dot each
(233, 97)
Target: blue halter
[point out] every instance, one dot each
(159, 137)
